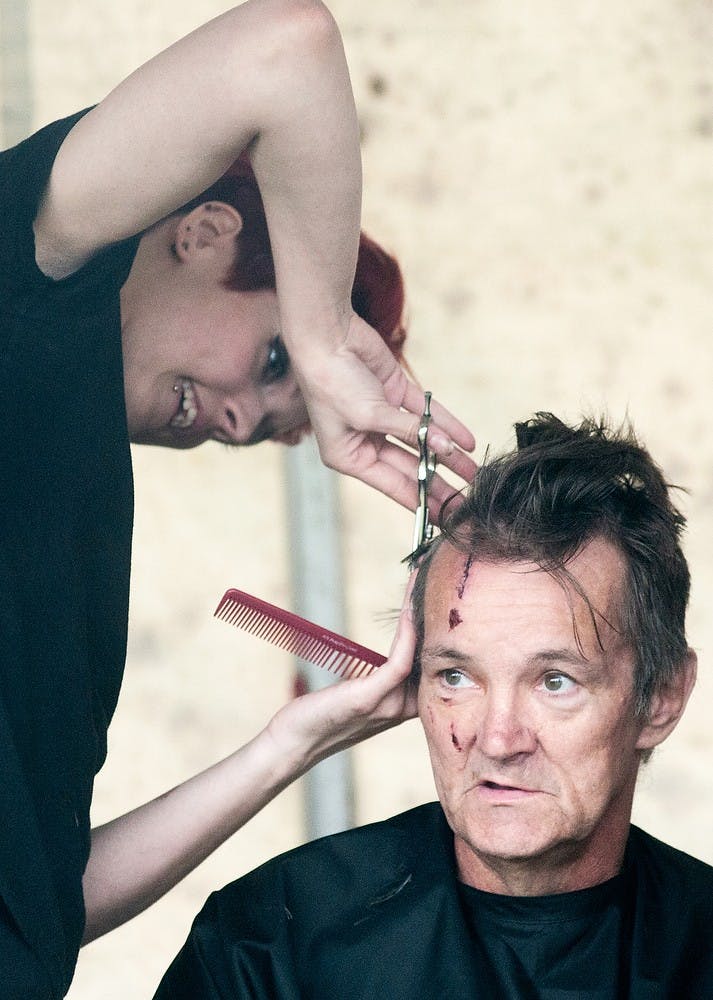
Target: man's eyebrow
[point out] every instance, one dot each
(440, 652)
(561, 655)
(556, 655)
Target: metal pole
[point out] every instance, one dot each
(316, 566)
(15, 79)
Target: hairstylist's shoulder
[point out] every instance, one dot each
(24, 171)
(174, 126)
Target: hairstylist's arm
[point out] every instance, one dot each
(309, 173)
(269, 75)
(138, 857)
(262, 72)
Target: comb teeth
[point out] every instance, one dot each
(297, 635)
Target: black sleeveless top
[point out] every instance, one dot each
(66, 506)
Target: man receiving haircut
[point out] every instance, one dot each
(551, 661)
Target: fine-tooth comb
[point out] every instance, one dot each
(297, 635)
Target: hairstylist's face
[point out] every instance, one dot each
(201, 361)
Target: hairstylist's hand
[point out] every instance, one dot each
(357, 394)
(137, 857)
(322, 722)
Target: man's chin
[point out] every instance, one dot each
(507, 836)
(516, 848)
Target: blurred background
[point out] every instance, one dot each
(544, 174)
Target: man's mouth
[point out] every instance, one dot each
(496, 787)
(187, 409)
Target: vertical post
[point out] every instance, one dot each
(16, 105)
(316, 567)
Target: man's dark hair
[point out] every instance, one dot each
(562, 487)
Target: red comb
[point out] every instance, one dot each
(297, 635)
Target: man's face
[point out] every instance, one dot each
(529, 718)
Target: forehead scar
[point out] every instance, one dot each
(460, 590)
(453, 618)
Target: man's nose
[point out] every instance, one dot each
(503, 730)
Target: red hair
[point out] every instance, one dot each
(378, 290)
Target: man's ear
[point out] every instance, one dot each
(668, 704)
(211, 226)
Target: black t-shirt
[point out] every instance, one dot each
(379, 912)
(572, 945)
(67, 509)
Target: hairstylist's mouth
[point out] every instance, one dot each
(187, 409)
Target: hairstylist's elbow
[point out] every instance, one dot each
(293, 30)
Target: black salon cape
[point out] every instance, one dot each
(375, 913)
(66, 511)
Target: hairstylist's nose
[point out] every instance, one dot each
(244, 420)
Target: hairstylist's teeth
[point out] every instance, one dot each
(187, 409)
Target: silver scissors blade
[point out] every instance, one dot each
(423, 529)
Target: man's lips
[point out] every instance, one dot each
(496, 790)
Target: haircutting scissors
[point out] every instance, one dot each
(423, 529)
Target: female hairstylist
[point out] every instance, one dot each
(142, 301)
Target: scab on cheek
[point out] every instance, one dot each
(454, 739)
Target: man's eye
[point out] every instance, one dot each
(558, 683)
(454, 678)
(278, 362)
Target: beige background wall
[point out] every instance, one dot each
(543, 171)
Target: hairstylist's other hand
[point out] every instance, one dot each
(357, 394)
(322, 722)
(137, 857)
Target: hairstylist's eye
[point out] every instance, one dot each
(278, 362)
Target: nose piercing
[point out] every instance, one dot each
(176, 387)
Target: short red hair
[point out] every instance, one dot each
(378, 290)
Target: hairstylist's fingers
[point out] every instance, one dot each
(392, 470)
(458, 462)
(390, 680)
(446, 429)
(404, 626)
(406, 463)
(406, 606)
(389, 475)
(447, 438)
(382, 697)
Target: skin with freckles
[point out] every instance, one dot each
(534, 742)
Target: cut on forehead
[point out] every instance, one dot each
(592, 583)
(597, 557)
